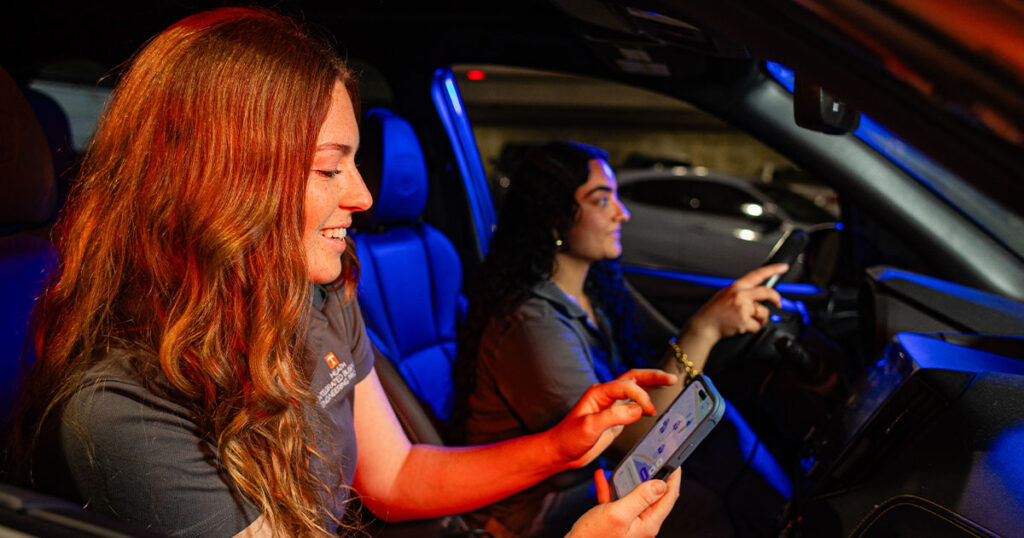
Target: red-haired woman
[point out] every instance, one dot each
(202, 367)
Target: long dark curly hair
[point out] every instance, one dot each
(539, 207)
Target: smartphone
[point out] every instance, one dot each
(686, 422)
(786, 251)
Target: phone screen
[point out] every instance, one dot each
(686, 422)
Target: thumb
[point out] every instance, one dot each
(643, 496)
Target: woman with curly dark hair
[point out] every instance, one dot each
(550, 316)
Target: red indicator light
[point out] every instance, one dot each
(476, 74)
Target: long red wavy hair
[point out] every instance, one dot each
(182, 243)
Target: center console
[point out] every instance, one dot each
(931, 439)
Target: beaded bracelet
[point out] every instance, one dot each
(684, 362)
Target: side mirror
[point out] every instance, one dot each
(818, 110)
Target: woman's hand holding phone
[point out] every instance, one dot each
(636, 515)
(676, 434)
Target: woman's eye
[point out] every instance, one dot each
(328, 173)
(603, 202)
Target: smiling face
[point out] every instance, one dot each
(334, 190)
(595, 235)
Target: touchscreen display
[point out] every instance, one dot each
(672, 431)
(880, 381)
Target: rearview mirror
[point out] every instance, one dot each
(818, 110)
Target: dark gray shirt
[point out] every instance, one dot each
(141, 458)
(534, 365)
(532, 368)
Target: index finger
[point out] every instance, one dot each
(759, 275)
(599, 397)
(649, 377)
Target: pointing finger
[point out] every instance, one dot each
(759, 275)
(649, 377)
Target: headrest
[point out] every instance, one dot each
(391, 162)
(28, 186)
(57, 131)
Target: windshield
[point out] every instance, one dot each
(998, 222)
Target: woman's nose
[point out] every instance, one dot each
(622, 209)
(357, 196)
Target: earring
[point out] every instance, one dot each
(558, 243)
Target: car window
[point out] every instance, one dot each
(667, 194)
(665, 152)
(690, 195)
(513, 109)
(721, 199)
(81, 88)
(811, 208)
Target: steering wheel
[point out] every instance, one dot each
(738, 348)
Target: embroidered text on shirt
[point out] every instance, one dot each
(340, 378)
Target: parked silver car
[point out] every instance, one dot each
(694, 221)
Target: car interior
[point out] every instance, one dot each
(410, 285)
(890, 383)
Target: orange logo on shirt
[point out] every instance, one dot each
(332, 361)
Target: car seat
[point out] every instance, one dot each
(29, 513)
(409, 291)
(28, 191)
(26, 167)
(57, 131)
(410, 274)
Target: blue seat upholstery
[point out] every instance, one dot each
(24, 262)
(411, 276)
(27, 200)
